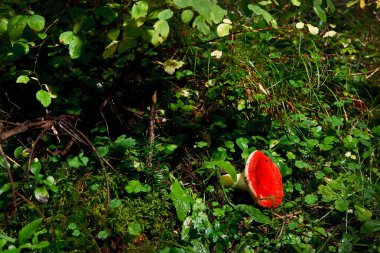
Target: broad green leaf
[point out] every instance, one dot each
(203, 7)
(36, 22)
(76, 47)
(370, 226)
(110, 49)
(296, 2)
(7, 239)
(35, 167)
(165, 14)
(187, 16)
(182, 3)
(3, 25)
(223, 29)
(161, 30)
(225, 165)
(217, 13)
(5, 187)
(44, 97)
(200, 24)
(311, 199)
(16, 26)
(22, 79)
(27, 231)
(376, 130)
(139, 9)
(254, 213)
(182, 201)
(319, 11)
(341, 205)
(261, 12)
(362, 213)
(66, 37)
(41, 194)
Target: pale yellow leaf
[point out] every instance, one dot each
(312, 29)
(331, 33)
(217, 54)
(300, 25)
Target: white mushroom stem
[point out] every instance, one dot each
(227, 181)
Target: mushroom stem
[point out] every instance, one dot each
(227, 181)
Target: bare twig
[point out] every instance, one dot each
(8, 166)
(152, 116)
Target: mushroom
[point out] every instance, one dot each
(261, 178)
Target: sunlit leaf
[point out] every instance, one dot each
(36, 22)
(331, 33)
(110, 49)
(171, 65)
(217, 54)
(187, 16)
(223, 30)
(296, 2)
(319, 11)
(165, 14)
(3, 25)
(300, 25)
(182, 201)
(22, 79)
(16, 26)
(44, 97)
(41, 194)
(312, 29)
(27, 231)
(139, 9)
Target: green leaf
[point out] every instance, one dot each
(165, 14)
(362, 213)
(115, 203)
(66, 37)
(161, 31)
(7, 239)
(139, 9)
(376, 130)
(103, 235)
(182, 201)
(16, 26)
(319, 11)
(311, 199)
(27, 231)
(22, 79)
(261, 12)
(110, 49)
(223, 29)
(35, 167)
(3, 25)
(72, 226)
(200, 24)
(370, 226)
(44, 97)
(76, 47)
(341, 204)
(217, 13)
(134, 228)
(182, 3)
(254, 213)
(78, 161)
(36, 22)
(187, 16)
(296, 2)
(225, 165)
(41, 194)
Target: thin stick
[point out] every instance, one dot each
(8, 166)
(152, 116)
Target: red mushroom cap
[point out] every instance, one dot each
(264, 180)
